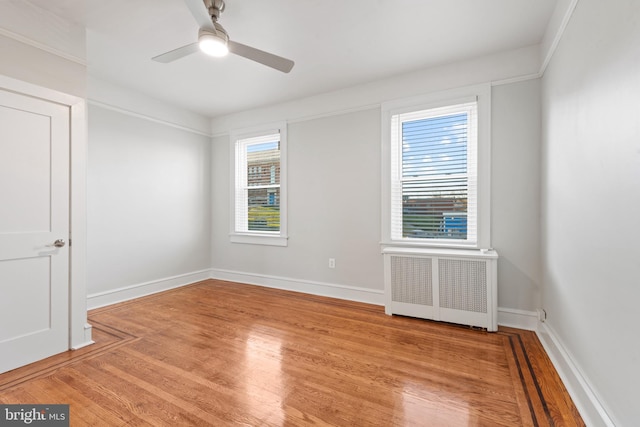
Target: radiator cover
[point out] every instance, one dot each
(450, 285)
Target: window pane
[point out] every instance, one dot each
(264, 209)
(263, 164)
(260, 196)
(434, 177)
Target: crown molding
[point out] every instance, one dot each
(41, 46)
(557, 36)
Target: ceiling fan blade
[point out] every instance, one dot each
(269, 59)
(178, 53)
(200, 14)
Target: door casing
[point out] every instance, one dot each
(79, 329)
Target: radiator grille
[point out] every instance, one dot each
(411, 280)
(463, 284)
(457, 286)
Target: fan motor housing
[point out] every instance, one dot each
(215, 8)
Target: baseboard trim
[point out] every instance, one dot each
(126, 293)
(87, 338)
(351, 293)
(588, 404)
(515, 318)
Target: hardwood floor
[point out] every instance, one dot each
(221, 353)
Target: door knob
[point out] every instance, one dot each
(59, 243)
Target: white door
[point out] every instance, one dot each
(34, 213)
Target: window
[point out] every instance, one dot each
(437, 172)
(259, 187)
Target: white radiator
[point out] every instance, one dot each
(450, 285)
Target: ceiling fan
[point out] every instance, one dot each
(213, 39)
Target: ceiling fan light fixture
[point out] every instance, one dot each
(213, 39)
(213, 45)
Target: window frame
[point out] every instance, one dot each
(482, 95)
(270, 238)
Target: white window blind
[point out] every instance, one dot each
(434, 175)
(258, 184)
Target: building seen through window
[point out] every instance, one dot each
(263, 186)
(434, 176)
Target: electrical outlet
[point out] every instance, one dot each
(542, 315)
(332, 263)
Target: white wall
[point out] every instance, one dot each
(515, 193)
(334, 207)
(110, 95)
(148, 204)
(591, 201)
(334, 188)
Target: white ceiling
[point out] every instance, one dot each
(334, 43)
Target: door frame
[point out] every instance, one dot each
(79, 329)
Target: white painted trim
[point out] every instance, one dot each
(78, 217)
(495, 67)
(302, 119)
(38, 45)
(546, 56)
(149, 118)
(79, 335)
(582, 393)
(87, 335)
(350, 293)
(341, 112)
(557, 36)
(238, 159)
(114, 296)
(517, 79)
(19, 86)
(258, 239)
(482, 93)
(515, 318)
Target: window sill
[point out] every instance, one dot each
(259, 239)
(430, 244)
(455, 252)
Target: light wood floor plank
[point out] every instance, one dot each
(220, 353)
